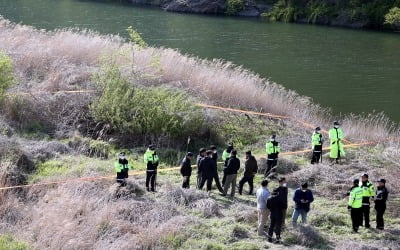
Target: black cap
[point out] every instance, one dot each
(356, 181)
(189, 154)
(365, 175)
(230, 144)
(209, 152)
(152, 146)
(213, 147)
(248, 152)
(317, 128)
(122, 154)
(304, 185)
(282, 179)
(273, 136)
(336, 123)
(202, 150)
(382, 180)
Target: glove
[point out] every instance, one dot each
(348, 207)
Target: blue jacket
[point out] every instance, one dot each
(300, 195)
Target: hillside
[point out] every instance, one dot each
(51, 131)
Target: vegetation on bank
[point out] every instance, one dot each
(6, 73)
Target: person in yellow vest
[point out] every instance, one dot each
(272, 149)
(121, 168)
(226, 154)
(151, 160)
(317, 142)
(368, 195)
(355, 205)
(336, 137)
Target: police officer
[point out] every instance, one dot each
(200, 157)
(380, 203)
(151, 160)
(317, 142)
(368, 194)
(225, 157)
(272, 149)
(355, 205)
(336, 137)
(121, 168)
(213, 148)
(186, 169)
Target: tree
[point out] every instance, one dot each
(393, 18)
(6, 74)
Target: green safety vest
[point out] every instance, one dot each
(336, 137)
(369, 190)
(119, 167)
(316, 139)
(150, 156)
(271, 148)
(225, 155)
(355, 199)
(335, 134)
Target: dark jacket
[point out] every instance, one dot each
(215, 157)
(381, 197)
(250, 167)
(233, 166)
(186, 167)
(199, 159)
(300, 195)
(207, 166)
(283, 194)
(274, 204)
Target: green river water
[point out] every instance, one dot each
(348, 70)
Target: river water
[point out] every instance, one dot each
(348, 70)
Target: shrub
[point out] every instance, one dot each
(234, 6)
(154, 112)
(6, 73)
(393, 17)
(8, 243)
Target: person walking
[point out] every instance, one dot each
(250, 170)
(207, 166)
(283, 196)
(302, 197)
(262, 195)
(225, 157)
(275, 206)
(380, 203)
(200, 157)
(151, 160)
(355, 205)
(272, 149)
(368, 194)
(213, 148)
(121, 168)
(317, 142)
(186, 169)
(231, 173)
(336, 137)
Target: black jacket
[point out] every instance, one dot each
(274, 204)
(283, 196)
(381, 197)
(232, 166)
(207, 166)
(250, 167)
(198, 161)
(186, 167)
(215, 157)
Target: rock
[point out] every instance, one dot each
(197, 6)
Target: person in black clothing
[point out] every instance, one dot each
(207, 166)
(186, 169)
(225, 157)
(200, 157)
(213, 148)
(380, 203)
(230, 172)
(283, 196)
(250, 170)
(274, 204)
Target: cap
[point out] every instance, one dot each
(189, 154)
(273, 136)
(212, 147)
(356, 181)
(365, 175)
(317, 128)
(248, 152)
(209, 152)
(382, 180)
(336, 123)
(202, 150)
(230, 144)
(151, 146)
(304, 185)
(122, 154)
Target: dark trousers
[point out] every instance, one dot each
(209, 183)
(243, 181)
(365, 215)
(270, 164)
(356, 218)
(198, 180)
(217, 182)
(121, 177)
(317, 153)
(151, 179)
(186, 180)
(275, 225)
(379, 217)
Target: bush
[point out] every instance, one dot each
(148, 112)
(8, 243)
(6, 73)
(393, 17)
(234, 6)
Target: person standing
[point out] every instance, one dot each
(213, 148)
(121, 168)
(355, 205)
(275, 206)
(368, 194)
(207, 166)
(151, 160)
(231, 173)
(250, 170)
(272, 149)
(200, 157)
(283, 196)
(302, 197)
(336, 137)
(317, 142)
(380, 203)
(225, 157)
(186, 169)
(262, 197)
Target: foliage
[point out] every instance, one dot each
(6, 73)
(148, 112)
(234, 6)
(8, 243)
(393, 17)
(136, 38)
